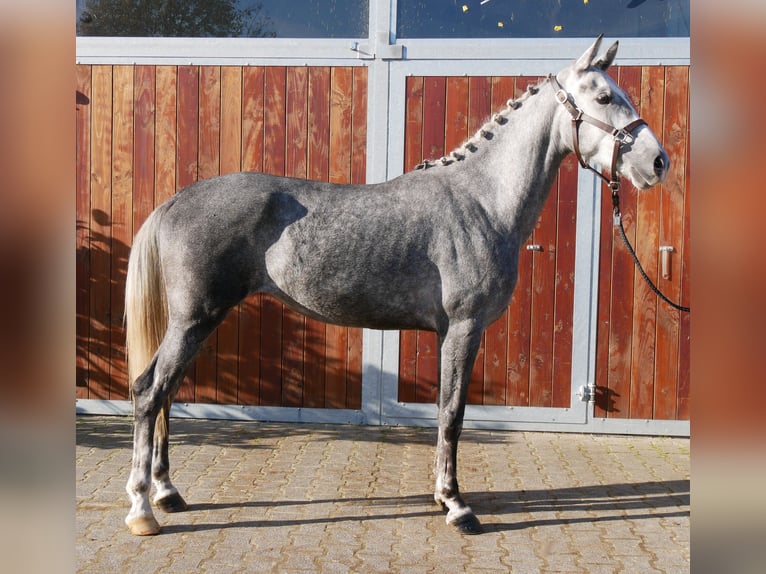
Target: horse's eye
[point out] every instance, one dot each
(604, 99)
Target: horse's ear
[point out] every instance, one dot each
(586, 60)
(606, 60)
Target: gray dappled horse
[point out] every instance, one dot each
(435, 249)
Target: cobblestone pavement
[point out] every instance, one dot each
(274, 497)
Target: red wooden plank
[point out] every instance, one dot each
(293, 342)
(297, 122)
(83, 222)
(651, 106)
(434, 92)
(413, 154)
(479, 102)
(100, 232)
(564, 284)
(684, 359)
(122, 220)
(318, 168)
(208, 166)
(253, 118)
(319, 124)
(413, 141)
(230, 161)
(456, 120)
(248, 392)
(479, 110)
(358, 176)
(144, 91)
(275, 94)
(165, 133)
(143, 144)
(675, 132)
(434, 103)
(359, 127)
(520, 309)
(336, 342)
(543, 291)
(187, 145)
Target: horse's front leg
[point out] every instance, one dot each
(458, 349)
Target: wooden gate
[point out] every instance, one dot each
(642, 361)
(144, 132)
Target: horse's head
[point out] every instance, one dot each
(601, 125)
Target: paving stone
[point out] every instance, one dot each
(273, 497)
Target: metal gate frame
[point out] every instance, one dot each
(389, 62)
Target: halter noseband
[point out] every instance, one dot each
(622, 136)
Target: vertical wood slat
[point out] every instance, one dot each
(519, 311)
(250, 310)
(275, 87)
(496, 337)
(166, 102)
(642, 376)
(144, 93)
(294, 324)
(318, 169)
(566, 231)
(230, 156)
(208, 165)
(434, 102)
(84, 103)
(336, 338)
(121, 219)
(675, 132)
(187, 147)
(684, 360)
(413, 154)
(99, 336)
(358, 176)
(621, 302)
(479, 110)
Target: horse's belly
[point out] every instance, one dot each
(356, 287)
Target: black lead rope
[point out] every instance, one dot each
(618, 222)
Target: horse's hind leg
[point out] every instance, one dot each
(151, 391)
(166, 497)
(458, 351)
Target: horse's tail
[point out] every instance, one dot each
(146, 314)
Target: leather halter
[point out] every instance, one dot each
(622, 136)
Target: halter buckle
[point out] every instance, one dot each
(561, 96)
(624, 137)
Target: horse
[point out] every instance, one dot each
(435, 249)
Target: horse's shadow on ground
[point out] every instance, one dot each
(603, 503)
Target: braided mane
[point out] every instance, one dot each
(486, 132)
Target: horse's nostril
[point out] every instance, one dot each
(660, 164)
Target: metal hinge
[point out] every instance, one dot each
(587, 393)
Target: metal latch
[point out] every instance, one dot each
(534, 247)
(587, 393)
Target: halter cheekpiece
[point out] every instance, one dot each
(622, 136)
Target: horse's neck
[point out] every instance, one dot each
(520, 163)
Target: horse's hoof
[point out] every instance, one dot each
(467, 524)
(143, 526)
(172, 503)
